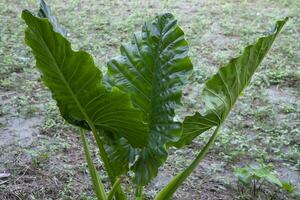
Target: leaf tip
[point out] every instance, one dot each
(25, 14)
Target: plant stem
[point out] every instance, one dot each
(260, 185)
(139, 193)
(119, 193)
(107, 165)
(273, 195)
(254, 188)
(168, 191)
(104, 157)
(114, 189)
(97, 182)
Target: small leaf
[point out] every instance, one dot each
(288, 186)
(243, 176)
(261, 171)
(271, 178)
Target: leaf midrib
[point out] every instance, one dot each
(155, 79)
(244, 86)
(82, 110)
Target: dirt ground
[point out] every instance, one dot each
(41, 156)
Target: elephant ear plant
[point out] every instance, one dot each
(130, 110)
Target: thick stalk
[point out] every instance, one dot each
(96, 180)
(114, 188)
(104, 156)
(168, 191)
(119, 193)
(139, 193)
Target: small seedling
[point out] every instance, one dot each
(253, 180)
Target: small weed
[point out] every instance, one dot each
(257, 181)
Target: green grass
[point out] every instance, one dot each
(264, 125)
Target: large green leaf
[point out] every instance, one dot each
(219, 95)
(223, 89)
(152, 69)
(76, 85)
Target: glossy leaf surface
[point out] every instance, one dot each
(153, 69)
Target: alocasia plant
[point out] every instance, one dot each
(131, 110)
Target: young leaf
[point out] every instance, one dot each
(153, 69)
(223, 89)
(243, 175)
(45, 12)
(288, 186)
(76, 85)
(264, 171)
